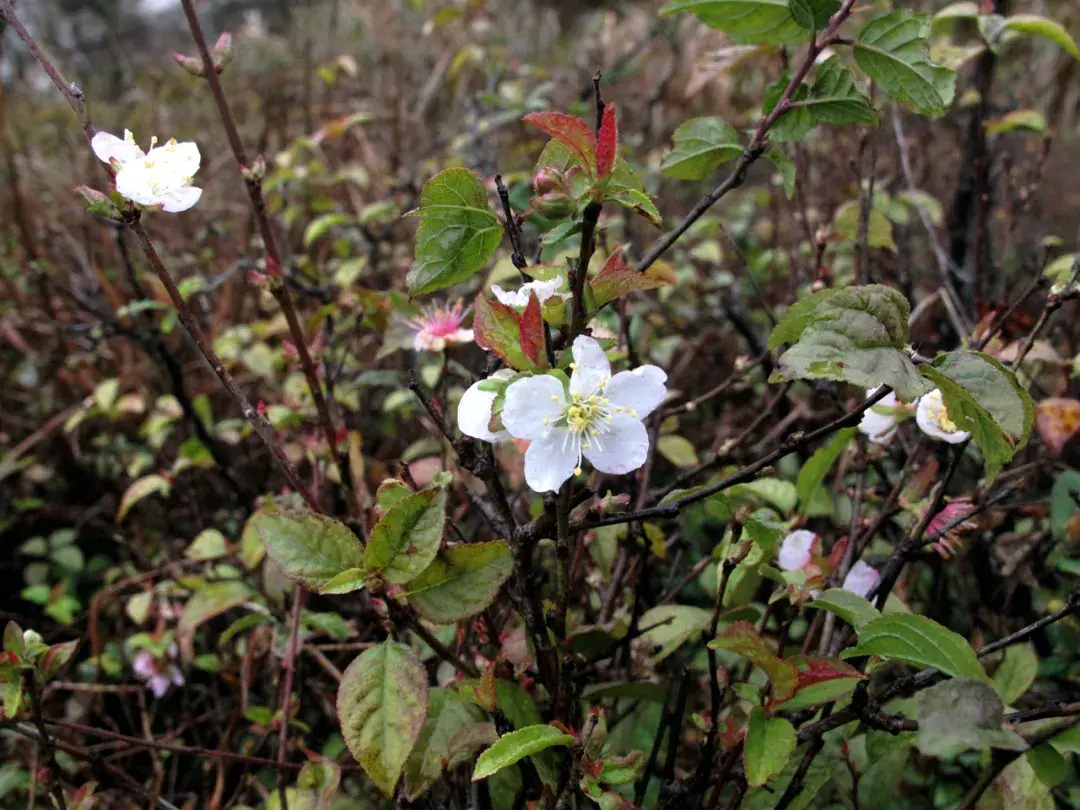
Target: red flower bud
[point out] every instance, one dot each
(189, 63)
(548, 179)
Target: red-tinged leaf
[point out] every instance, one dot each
(570, 131)
(741, 638)
(607, 142)
(617, 278)
(818, 670)
(56, 658)
(498, 328)
(531, 328)
(1057, 420)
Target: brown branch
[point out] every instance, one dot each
(48, 750)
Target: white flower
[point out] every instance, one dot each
(474, 409)
(599, 418)
(438, 326)
(934, 419)
(860, 579)
(795, 550)
(520, 297)
(880, 425)
(160, 178)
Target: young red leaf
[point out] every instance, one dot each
(741, 638)
(617, 278)
(531, 328)
(819, 670)
(498, 328)
(607, 142)
(570, 131)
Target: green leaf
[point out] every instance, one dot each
(212, 600)
(516, 745)
(813, 13)
(320, 226)
(742, 639)
(781, 494)
(919, 641)
(835, 99)
(678, 450)
(857, 335)
(797, 121)
(700, 145)
(448, 712)
(142, 488)
(745, 21)
(461, 582)
(769, 743)
(1062, 505)
(316, 785)
(785, 165)
(312, 549)
(852, 608)
(879, 231)
(1049, 766)
(1038, 26)
(346, 582)
(406, 539)
(962, 714)
(498, 329)
(668, 627)
(894, 51)
(382, 704)
(1016, 673)
(209, 544)
(457, 234)
(815, 469)
(1027, 120)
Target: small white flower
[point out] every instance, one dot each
(861, 578)
(438, 326)
(879, 422)
(474, 410)
(934, 419)
(159, 673)
(795, 550)
(520, 297)
(599, 418)
(160, 178)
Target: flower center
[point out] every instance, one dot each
(589, 413)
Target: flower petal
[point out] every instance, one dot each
(796, 550)
(622, 449)
(182, 158)
(550, 459)
(474, 414)
(529, 403)
(108, 147)
(639, 391)
(181, 199)
(510, 299)
(861, 578)
(933, 418)
(592, 366)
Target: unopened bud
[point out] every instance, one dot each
(817, 286)
(256, 171)
(548, 179)
(554, 204)
(223, 51)
(190, 64)
(98, 202)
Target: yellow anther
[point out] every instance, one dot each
(546, 420)
(633, 414)
(554, 398)
(577, 470)
(573, 366)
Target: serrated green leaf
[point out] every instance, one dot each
(815, 469)
(813, 13)
(785, 165)
(1038, 26)
(382, 704)
(458, 231)
(1016, 673)
(919, 641)
(962, 714)
(699, 146)
(447, 713)
(312, 548)
(461, 582)
(834, 98)
(857, 335)
(745, 21)
(616, 278)
(894, 51)
(741, 638)
(347, 581)
(668, 627)
(797, 121)
(769, 743)
(406, 539)
(517, 745)
(852, 608)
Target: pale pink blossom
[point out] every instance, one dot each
(861, 578)
(796, 550)
(159, 673)
(437, 327)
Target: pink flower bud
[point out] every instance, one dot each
(548, 179)
(223, 51)
(93, 196)
(256, 171)
(189, 63)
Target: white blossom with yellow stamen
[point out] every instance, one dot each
(160, 178)
(933, 419)
(598, 418)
